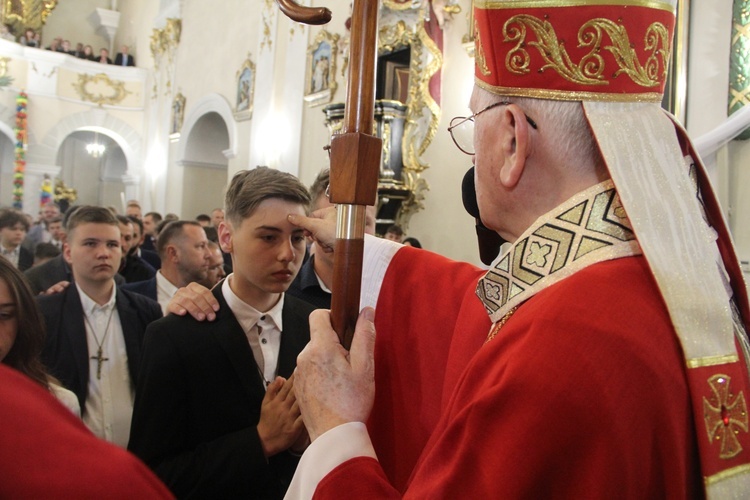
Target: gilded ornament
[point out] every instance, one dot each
(725, 416)
(116, 91)
(590, 70)
(23, 14)
(481, 61)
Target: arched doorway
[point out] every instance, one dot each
(205, 165)
(94, 164)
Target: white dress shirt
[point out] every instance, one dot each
(12, 255)
(165, 290)
(263, 330)
(109, 400)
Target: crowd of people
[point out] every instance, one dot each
(30, 38)
(109, 277)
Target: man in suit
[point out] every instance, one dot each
(183, 248)
(215, 413)
(133, 268)
(39, 233)
(150, 221)
(123, 58)
(13, 228)
(94, 330)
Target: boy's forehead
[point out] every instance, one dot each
(96, 229)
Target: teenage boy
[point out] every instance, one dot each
(13, 229)
(95, 330)
(215, 413)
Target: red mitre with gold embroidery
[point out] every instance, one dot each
(591, 50)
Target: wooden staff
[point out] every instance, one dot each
(355, 159)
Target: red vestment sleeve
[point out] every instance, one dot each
(582, 394)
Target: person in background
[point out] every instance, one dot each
(133, 267)
(203, 219)
(45, 252)
(22, 335)
(217, 217)
(13, 228)
(54, 227)
(412, 242)
(150, 221)
(123, 58)
(394, 233)
(216, 271)
(88, 53)
(133, 209)
(104, 56)
(39, 232)
(184, 257)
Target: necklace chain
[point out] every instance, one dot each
(100, 345)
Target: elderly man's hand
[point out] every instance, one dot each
(334, 386)
(195, 299)
(320, 226)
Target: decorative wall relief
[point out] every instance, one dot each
(100, 90)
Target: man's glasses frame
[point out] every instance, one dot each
(460, 120)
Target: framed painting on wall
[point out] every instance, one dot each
(245, 90)
(320, 77)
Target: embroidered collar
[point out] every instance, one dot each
(590, 227)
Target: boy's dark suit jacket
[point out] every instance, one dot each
(198, 404)
(66, 353)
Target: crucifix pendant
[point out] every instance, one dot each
(99, 359)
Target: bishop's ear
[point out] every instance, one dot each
(515, 145)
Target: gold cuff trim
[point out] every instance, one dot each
(569, 95)
(712, 361)
(521, 4)
(726, 474)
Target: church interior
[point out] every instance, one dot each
(221, 87)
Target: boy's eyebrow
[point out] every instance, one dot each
(267, 228)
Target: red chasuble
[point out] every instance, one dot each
(47, 452)
(582, 393)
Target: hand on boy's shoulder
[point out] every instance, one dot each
(196, 300)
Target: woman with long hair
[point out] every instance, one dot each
(22, 333)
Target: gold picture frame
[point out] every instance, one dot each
(320, 76)
(245, 90)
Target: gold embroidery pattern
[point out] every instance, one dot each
(590, 69)
(590, 227)
(479, 51)
(725, 415)
(497, 326)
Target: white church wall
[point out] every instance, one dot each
(70, 20)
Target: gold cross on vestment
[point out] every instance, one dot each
(725, 416)
(99, 359)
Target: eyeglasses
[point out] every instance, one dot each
(462, 128)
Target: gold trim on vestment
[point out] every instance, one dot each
(725, 474)
(589, 228)
(570, 95)
(525, 4)
(712, 361)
